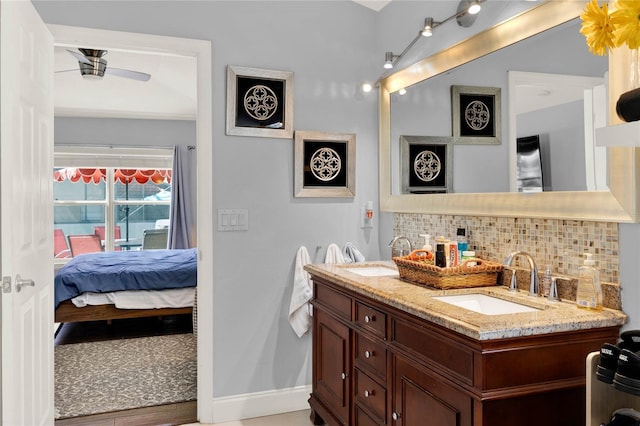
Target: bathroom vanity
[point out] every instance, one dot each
(388, 352)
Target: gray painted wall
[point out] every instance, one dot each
(328, 45)
(561, 131)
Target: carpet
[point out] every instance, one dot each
(113, 375)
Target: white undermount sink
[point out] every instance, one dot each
(372, 271)
(487, 305)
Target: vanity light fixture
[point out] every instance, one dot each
(474, 8)
(465, 16)
(388, 60)
(429, 25)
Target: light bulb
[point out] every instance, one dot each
(474, 8)
(428, 27)
(388, 60)
(402, 91)
(366, 87)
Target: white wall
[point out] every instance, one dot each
(328, 45)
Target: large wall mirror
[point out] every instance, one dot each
(519, 56)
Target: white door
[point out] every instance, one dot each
(26, 250)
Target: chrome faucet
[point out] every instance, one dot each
(534, 288)
(399, 252)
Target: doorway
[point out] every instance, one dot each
(201, 51)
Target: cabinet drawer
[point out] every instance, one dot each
(333, 300)
(372, 319)
(371, 355)
(370, 394)
(435, 349)
(362, 419)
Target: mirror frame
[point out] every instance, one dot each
(618, 204)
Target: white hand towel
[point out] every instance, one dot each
(334, 255)
(299, 308)
(352, 254)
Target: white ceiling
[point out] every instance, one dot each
(170, 93)
(376, 5)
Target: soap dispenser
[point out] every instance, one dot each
(589, 294)
(427, 242)
(547, 278)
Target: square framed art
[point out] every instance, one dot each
(324, 164)
(259, 102)
(476, 115)
(426, 164)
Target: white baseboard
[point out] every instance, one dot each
(238, 407)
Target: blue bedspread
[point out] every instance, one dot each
(126, 270)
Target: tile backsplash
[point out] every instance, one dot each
(554, 242)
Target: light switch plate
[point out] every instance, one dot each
(233, 219)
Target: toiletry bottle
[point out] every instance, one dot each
(469, 254)
(589, 289)
(545, 285)
(463, 245)
(441, 259)
(454, 258)
(442, 240)
(427, 242)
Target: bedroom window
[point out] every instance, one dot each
(110, 199)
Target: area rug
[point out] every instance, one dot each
(113, 375)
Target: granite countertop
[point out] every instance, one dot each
(552, 317)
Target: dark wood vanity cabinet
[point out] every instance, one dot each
(374, 364)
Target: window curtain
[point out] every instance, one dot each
(181, 214)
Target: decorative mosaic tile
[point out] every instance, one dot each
(554, 242)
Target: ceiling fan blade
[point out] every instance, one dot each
(79, 56)
(75, 69)
(136, 75)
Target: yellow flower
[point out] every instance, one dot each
(597, 28)
(626, 21)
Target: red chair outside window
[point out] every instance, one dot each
(60, 246)
(100, 232)
(84, 244)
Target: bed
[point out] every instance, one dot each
(126, 284)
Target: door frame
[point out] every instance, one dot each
(201, 50)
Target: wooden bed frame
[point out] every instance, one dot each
(68, 312)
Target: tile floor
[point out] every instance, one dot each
(295, 418)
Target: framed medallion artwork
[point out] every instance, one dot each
(324, 164)
(476, 115)
(259, 102)
(426, 164)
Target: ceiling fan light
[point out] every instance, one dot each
(91, 77)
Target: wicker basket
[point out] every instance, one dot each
(417, 271)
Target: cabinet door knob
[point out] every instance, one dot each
(395, 416)
(367, 393)
(368, 318)
(343, 375)
(368, 354)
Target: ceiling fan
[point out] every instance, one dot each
(93, 65)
